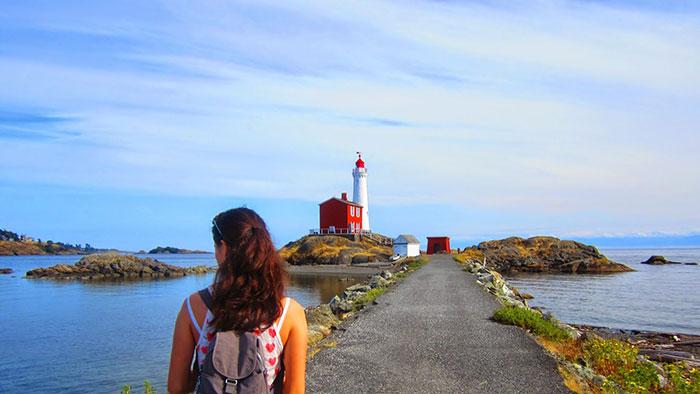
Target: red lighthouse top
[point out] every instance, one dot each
(359, 163)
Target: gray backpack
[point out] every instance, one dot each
(233, 364)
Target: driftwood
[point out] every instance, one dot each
(687, 343)
(668, 356)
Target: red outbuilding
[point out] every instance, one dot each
(438, 245)
(340, 216)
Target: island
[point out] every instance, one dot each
(336, 250)
(173, 250)
(116, 266)
(541, 254)
(658, 260)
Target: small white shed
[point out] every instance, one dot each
(406, 245)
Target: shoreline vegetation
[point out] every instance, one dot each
(590, 361)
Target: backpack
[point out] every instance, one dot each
(233, 364)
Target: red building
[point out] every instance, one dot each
(438, 245)
(340, 216)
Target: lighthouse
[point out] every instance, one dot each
(359, 190)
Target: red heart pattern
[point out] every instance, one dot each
(273, 333)
(272, 360)
(270, 347)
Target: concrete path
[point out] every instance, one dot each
(429, 334)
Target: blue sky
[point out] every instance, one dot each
(130, 124)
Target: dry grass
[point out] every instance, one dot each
(10, 248)
(570, 350)
(574, 383)
(470, 254)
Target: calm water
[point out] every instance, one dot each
(93, 337)
(656, 298)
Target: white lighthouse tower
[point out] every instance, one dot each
(359, 190)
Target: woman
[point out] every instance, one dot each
(247, 295)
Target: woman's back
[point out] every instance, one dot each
(248, 264)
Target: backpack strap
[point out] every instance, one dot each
(207, 298)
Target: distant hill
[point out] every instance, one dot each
(172, 250)
(13, 244)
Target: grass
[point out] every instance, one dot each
(618, 362)
(681, 379)
(368, 297)
(469, 254)
(571, 349)
(147, 388)
(615, 360)
(412, 264)
(532, 321)
(609, 356)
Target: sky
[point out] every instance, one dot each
(130, 124)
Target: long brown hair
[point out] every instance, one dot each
(250, 282)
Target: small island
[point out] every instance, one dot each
(658, 260)
(173, 250)
(116, 266)
(334, 250)
(541, 254)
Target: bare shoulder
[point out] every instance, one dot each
(296, 312)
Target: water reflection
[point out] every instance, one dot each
(321, 288)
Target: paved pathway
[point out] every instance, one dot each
(429, 334)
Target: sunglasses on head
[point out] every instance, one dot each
(216, 226)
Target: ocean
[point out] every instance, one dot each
(662, 298)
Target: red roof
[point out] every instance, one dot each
(343, 201)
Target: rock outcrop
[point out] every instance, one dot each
(659, 260)
(331, 249)
(541, 254)
(118, 266)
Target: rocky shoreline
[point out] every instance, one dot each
(659, 346)
(115, 266)
(649, 348)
